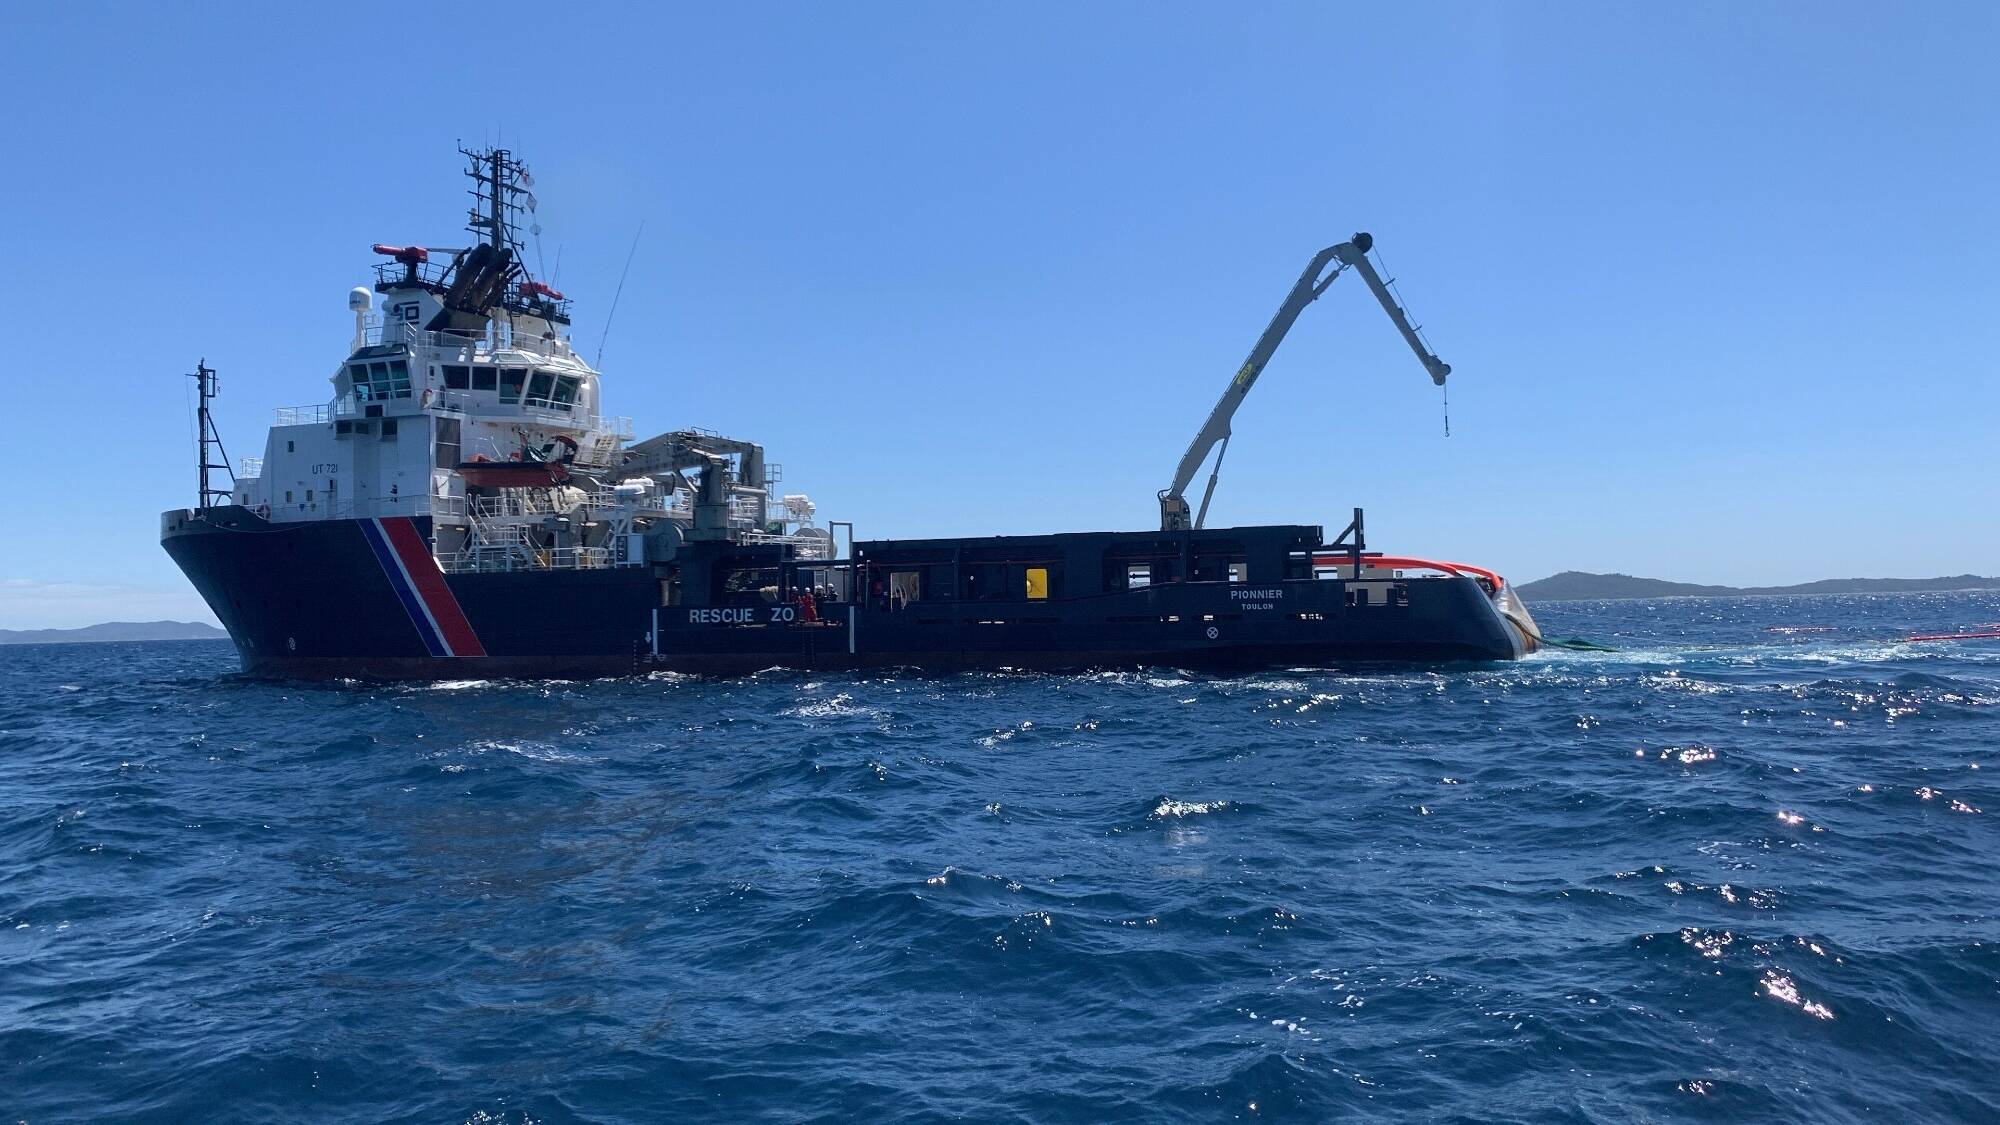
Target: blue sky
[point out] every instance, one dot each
(1717, 280)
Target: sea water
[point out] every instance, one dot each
(1741, 869)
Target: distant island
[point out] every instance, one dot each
(1576, 585)
(115, 631)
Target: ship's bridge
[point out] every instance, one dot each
(399, 369)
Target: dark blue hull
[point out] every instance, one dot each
(327, 599)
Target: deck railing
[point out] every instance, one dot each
(511, 557)
(454, 347)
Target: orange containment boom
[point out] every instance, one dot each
(1404, 562)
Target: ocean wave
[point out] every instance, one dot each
(1724, 873)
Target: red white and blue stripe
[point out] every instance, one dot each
(420, 586)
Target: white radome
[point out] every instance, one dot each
(360, 299)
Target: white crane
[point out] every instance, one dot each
(1353, 253)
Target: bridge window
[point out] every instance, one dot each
(540, 387)
(565, 392)
(457, 378)
(482, 378)
(379, 380)
(511, 381)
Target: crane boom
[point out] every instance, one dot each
(1174, 514)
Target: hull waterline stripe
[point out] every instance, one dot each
(378, 542)
(435, 593)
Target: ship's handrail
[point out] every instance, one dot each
(318, 413)
(809, 548)
(415, 504)
(469, 349)
(513, 557)
(617, 426)
(517, 503)
(463, 402)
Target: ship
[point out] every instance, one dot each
(462, 506)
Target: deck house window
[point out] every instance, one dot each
(511, 381)
(565, 397)
(482, 378)
(457, 377)
(540, 387)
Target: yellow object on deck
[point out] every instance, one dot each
(1038, 583)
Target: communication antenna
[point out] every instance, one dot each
(617, 293)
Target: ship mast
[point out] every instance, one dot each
(209, 439)
(501, 190)
(490, 281)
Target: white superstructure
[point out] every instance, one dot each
(463, 400)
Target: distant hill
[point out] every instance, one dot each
(1576, 585)
(115, 631)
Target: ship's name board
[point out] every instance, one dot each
(744, 615)
(1256, 599)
